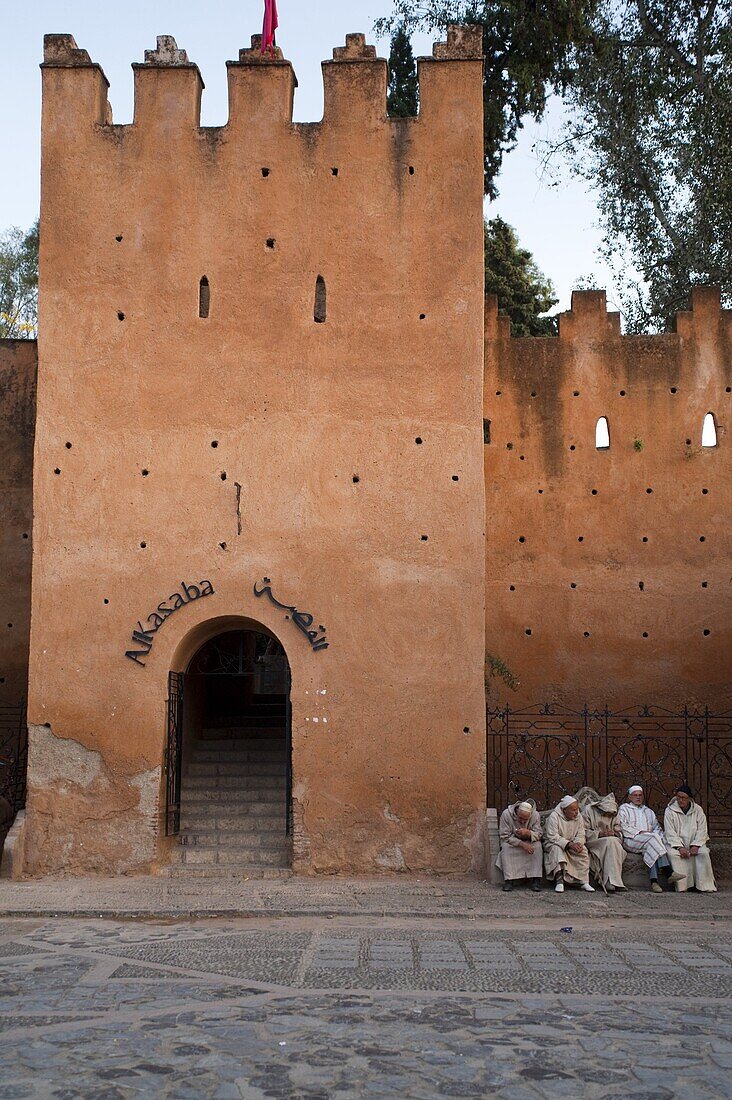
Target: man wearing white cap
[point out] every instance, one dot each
(566, 858)
(642, 834)
(520, 856)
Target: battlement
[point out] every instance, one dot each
(354, 82)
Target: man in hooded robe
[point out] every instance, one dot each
(643, 835)
(566, 858)
(687, 837)
(604, 840)
(520, 833)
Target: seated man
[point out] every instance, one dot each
(642, 834)
(685, 826)
(565, 854)
(603, 838)
(520, 833)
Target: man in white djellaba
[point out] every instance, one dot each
(687, 837)
(643, 835)
(520, 833)
(566, 858)
(605, 843)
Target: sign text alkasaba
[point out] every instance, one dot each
(143, 636)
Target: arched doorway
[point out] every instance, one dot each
(229, 752)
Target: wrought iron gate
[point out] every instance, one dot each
(13, 754)
(173, 753)
(547, 751)
(288, 739)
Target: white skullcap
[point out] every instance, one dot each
(634, 788)
(526, 807)
(568, 800)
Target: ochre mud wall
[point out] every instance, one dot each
(341, 459)
(18, 364)
(608, 571)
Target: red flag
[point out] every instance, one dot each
(269, 26)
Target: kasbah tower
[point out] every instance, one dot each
(294, 482)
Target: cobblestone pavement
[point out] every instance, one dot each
(343, 1007)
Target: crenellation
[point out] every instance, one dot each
(61, 50)
(355, 49)
(253, 55)
(464, 43)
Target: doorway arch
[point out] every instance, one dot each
(228, 758)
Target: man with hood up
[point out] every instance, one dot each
(520, 833)
(687, 837)
(566, 858)
(604, 840)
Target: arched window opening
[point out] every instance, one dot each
(602, 434)
(320, 301)
(204, 297)
(709, 431)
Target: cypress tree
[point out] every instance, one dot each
(403, 98)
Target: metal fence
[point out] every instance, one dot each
(13, 754)
(546, 751)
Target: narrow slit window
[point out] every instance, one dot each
(204, 297)
(709, 431)
(320, 301)
(602, 434)
(486, 431)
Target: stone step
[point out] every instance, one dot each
(243, 733)
(219, 822)
(202, 750)
(219, 872)
(235, 857)
(249, 836)
(248, 770)
(239, 764)
(201, 784)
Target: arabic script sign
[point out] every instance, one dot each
(303, 620)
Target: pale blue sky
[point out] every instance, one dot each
(558, 225)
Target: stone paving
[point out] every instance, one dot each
(366, 1006)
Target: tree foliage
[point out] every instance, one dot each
(651, 131)
(511, 273)
(528, 47)
(402, 100)
(19, 283)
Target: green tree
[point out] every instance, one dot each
(529, 50)
(651, 131)
(403, 97)
(19, 284)
(523, 293)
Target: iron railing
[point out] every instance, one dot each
(13, 754)
(546, 751)
(173, 753)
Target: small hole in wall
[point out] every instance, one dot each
(702, 538)
(528, 631)
(522, 538)
(533, 393)
(143, 545)
(57, 471)
(705, 584)
(118, 238)
(204, 297)
(674, 389)
(540, 491)
(321, 301)
(355, 479)
(422, 316)
(498, 393)
(68, 446)
(522, 458)
(222, 475)
(645, 538)
(10, 626)
(145, 473)
(572, 447)
(707, 632)
(573, 584)
(120, 316)
(645, 634)
(334, 171)
(214, 442)
(423, 538)
(2, 679)
(649, 490)
(641, 585)
(466, 729)
(728, 389)
(688, 442)
(486, 431)
(455, 477)
(512, 588)
(418, 440)
(575, 393)
(411, 169)
(265, 172)
(222, 545)
(25, 534)
(586, 634)
(106, 600)
(704, 492)
(580, 538)
(509, 446)
(270, 242)
(594, 492)
(622, 393)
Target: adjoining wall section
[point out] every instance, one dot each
(608, 570)
(18, 365)
(246, 426)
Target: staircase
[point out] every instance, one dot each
(233, 813)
